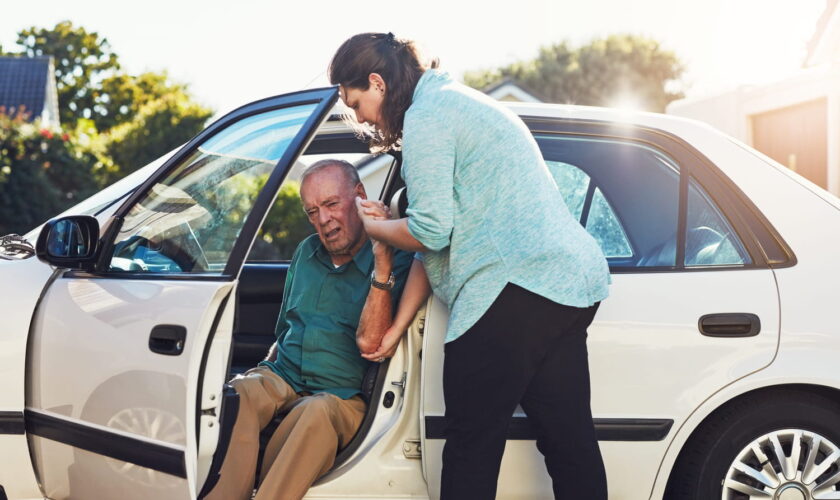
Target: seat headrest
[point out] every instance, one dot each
(399, 203)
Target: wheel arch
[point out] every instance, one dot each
(717, 404)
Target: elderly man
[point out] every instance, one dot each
(338, 299)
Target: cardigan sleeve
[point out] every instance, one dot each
(429, 170)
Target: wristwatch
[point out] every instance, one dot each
(388, 285)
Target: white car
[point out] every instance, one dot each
(714, 361)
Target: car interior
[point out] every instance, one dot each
(260, 294)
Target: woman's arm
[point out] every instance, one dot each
(417, 290)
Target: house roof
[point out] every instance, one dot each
(821, 40)
(507, 86)
(24, 82)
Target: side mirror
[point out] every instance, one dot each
(69, 242)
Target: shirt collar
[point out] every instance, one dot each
(431, 78)
(363, 258)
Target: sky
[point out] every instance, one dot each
(233, 53)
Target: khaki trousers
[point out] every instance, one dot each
(303, 447)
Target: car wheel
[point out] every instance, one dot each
(778, 445)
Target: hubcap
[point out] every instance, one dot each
(789, 464)
(791, 492)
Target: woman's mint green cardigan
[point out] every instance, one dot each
(482, 200)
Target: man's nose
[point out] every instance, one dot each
(323, 217)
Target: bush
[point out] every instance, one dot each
(42, 172)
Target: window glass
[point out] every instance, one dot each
(189, 221)
(601, 221)
(572, 183)
(605, 228)
(710, 240)
(633, 207)
(287, 225)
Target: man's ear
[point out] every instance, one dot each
(360, 191)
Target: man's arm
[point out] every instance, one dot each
(377, 313)
(416, 293)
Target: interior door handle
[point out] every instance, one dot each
(729, 325)
(168, 339)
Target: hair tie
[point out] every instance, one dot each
(391, 40)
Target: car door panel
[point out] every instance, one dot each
(114, 410)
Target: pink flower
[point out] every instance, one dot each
(46, 133)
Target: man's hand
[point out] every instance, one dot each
(388, 347)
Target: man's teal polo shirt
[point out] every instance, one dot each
(316, 330)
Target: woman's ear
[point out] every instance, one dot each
(377, 82)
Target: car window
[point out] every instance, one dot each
(599, 220)
(189, 221)
(573, 184)
(603, 225)
(710, 240)
(287, 225)
(625, 194)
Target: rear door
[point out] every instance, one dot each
(126, 364)
(683, 251)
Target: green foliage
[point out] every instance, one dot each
(604, 72)
(285, 226)
(127, 120)
(42, 173)
(81, 57)
(121, 97)
(159, 126)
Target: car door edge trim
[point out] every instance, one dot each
(127, 449)
(268, 193)
(607, 429)
(11, 422)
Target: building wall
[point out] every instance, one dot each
(734, 112)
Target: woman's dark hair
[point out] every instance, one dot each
(398, 62)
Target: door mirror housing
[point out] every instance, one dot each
(69, 242)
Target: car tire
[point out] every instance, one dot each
(773, 433)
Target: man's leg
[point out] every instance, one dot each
(261, 394)
(305, 443)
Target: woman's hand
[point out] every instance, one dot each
(375, 210)
(388, 346)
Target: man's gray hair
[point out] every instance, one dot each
(349, 170)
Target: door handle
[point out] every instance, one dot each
(729, 325)
(168, 339)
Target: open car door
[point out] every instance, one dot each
(127, 359)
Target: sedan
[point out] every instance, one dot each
(713, 361)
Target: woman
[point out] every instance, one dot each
(521, 277)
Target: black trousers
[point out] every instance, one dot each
(531, 351)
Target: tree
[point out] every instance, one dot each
(120, 97)
(41, 173)
(81, 59)
(160, 125)
(605, 72)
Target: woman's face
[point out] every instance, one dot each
(366, 104)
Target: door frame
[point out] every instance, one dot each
(100, 440)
